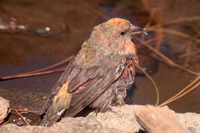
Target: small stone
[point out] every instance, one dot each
(4, 108)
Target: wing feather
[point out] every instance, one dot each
(69, 71)
(83, 87)
(91, 92)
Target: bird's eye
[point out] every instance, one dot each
(122, 33)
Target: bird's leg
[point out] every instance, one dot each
(96, 111)
(115, 111)
(110, 108)
(122, 98)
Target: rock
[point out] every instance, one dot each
(189, 120)
(159, 120)
(120, 120)
(4, 108)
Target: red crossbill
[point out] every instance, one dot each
(99, 75)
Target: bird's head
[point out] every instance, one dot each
(110, 38)
(115, 36)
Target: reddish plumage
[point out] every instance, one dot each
(99, 75)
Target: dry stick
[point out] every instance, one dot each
(146, 5)
(191, 53)
(21, 117)
(188, 86)
(182, 20)
(196, 29)
(49, 67)
(180, 67)
(182, 92)
(153, 82)
(188, 51)
(4, 123)
(187, 70)
(148, 41)
(160, 35)
(159, 32)
(52, 66)
(33, 74)
(151, 40)
(154, 50)
(28, 74)
(196, 47)
(24, 110)
(170, 62)
(153, 28)
(152, 14)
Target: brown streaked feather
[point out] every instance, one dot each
(82, 78)
(84, 87)
(68, 73)
(60, 102)
(87, 97)
(83, 96)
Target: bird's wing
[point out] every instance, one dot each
(83, 89)
(68, 73)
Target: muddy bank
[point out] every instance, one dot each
(25, 100)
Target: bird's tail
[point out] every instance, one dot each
(43, 122)
(51, 119)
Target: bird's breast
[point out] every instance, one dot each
(128, 74)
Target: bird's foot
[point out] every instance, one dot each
(116, 111)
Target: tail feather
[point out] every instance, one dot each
(48, 121)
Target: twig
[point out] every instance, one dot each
(152, 13)
(188, 51)
(186, 92)
(52, 66)
(170, 62)
(187, 54)
(159, 35)
(150, 40)
(4, 123)
(153, 82)
(187, 70)
(174, 64)
(32, 74)
(183, 92)
(24, 110)
(153, 28)
(21, 116)
(146, 5)
(182, 20)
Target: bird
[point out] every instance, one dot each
(98, 76)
